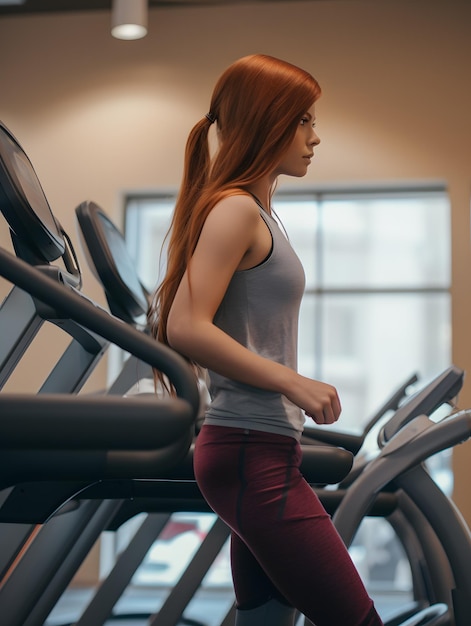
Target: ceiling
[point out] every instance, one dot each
(18, 7)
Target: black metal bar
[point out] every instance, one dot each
(101, 605)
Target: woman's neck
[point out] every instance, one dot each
(263, 192)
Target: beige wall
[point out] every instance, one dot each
(99, 117)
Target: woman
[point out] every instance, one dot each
(229, 302)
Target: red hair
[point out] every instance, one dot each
(257, 104)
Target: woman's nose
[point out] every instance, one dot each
(315, 139)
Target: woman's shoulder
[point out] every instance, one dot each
(237, 205)
(230, 227)
(234, 217)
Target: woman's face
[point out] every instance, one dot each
(297, 157)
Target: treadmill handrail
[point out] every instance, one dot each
(78, 308)
(416, 442)
(71, 422)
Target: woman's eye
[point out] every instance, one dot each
(304, 121)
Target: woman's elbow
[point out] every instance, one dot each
(173, 334)
(178, 335)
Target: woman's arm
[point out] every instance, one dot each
(229, 235)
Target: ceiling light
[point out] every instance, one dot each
(129, 19)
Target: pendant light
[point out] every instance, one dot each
(129, 19)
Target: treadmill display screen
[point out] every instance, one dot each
(124, 264)
(23, 202)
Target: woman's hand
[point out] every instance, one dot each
(318, 400)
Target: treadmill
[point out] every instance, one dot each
(405, 445)
(54, 444)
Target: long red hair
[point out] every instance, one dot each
(257, 104)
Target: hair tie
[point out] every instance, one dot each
(210, 117)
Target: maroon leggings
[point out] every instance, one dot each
(283, 543)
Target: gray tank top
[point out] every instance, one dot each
(260, 310)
